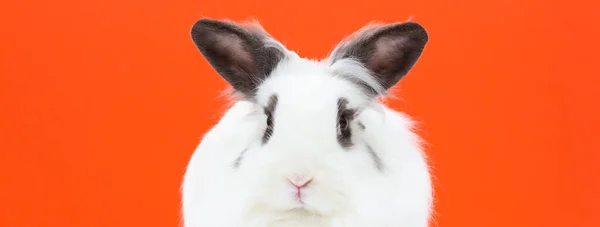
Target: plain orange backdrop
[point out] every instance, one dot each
(103, 102)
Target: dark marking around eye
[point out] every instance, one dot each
(375, 158)
(269, 111)
(344, 118)
(238, 160)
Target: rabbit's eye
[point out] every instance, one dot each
(269, 129)
(343, 124)
(345, 115)
(344, 133)
(269, 110)
(269, 120)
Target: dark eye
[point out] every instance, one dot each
(344, 117)
(269, 129)
(343, 124)
(344, 133)
(269, 110)
(269, 119)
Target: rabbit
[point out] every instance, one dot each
(308, 143)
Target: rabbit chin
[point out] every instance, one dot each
(299, 217)
(316, 206)
(267, 200)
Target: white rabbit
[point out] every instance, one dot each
(307, 143)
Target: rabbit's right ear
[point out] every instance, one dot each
(239, 54)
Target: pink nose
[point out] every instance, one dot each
(300, 181)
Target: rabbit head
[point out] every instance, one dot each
(307, 140)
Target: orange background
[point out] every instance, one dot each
(103, 102)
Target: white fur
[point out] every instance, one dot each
(347, 191)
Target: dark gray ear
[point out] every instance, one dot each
(238, 53)
(389, 51)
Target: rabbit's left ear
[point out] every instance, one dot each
(389, 51)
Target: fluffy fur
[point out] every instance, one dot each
(382, 180)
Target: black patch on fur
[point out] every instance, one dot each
(243, 65)
(270, 111)
(238, 160)
(345, 116)
(389, 52)
(376, 159)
